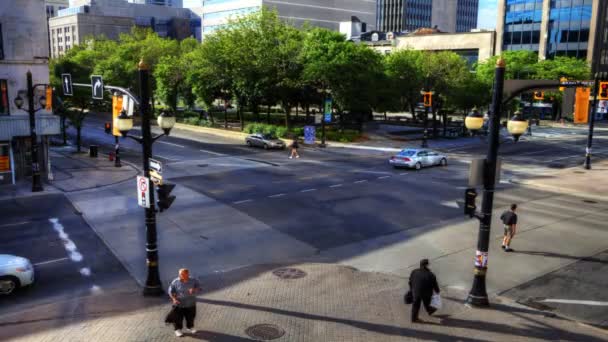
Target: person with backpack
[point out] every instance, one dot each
(509, 220)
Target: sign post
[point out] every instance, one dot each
(143, 192)
(97, 87)
(309, 135)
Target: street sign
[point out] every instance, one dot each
(143, 192)
(309, 135)
(156, 177)
(66, 82)
(127, 105)
(97, 87)
(156, 166)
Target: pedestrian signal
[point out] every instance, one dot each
(603, 91)
(428, 99)
(164, 196)
(469, 202)
(539, 95)
(108, 128)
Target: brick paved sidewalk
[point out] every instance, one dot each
(330, 303)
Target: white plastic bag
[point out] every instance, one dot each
(436, 301)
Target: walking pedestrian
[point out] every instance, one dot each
(423, 284)
(509, 220)
(294, 149)
(182, 291)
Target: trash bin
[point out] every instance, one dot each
(93, 151)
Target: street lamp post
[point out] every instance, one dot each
(124, 123)
(478, 296)
(36, 178)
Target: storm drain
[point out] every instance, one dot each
(289, 273)
(264, 332)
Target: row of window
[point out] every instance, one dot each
(217, 2)
(230, 13)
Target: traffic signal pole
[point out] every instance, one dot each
(153, 286)
(596, 88)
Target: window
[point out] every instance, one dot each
(4, 104)
(66, 29)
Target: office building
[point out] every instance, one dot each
(168, 3)
(475, 46)
(54, 6)
(23, 48)
(217, 13)
(409, 15)
(550, 27)
(110, 18)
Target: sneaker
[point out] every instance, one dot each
(503, 246)
(297, 157)
(192, 331)
(290, 157)
(509, 249)
(179, 333)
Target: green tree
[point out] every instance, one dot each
(519, 65)
(404, 68)
(171, 75)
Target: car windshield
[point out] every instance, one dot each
(407, 153)
(269, 137)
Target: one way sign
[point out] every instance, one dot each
(66, 82)
(97, 87)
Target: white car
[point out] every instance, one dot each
(15, 272)
(418, 158)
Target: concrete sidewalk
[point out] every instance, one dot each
(328, 303)
(575, 181)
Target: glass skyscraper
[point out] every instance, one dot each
(550, 27)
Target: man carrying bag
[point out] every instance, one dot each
(423, 285)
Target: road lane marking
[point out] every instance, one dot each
(241, 202)
(532, 152)
(570, 301)
(383, 177)
(276, 196)
(360, 181)
(15, 224)
(172, 144)
(50, 261)
(308, 190)
(403, 174)
(167, 158)
(335, 186)
(211, 152)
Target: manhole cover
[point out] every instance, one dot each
(264, 332)
(289, 273)
(590, 201)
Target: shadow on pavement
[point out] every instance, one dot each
(562, 256)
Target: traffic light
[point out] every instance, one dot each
(108, 128)
(603, 93)
(539, 95)
(563, 80)
(469, 202)
(428, 99)
(164, 196)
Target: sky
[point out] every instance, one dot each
(487, 14)
(486, 19)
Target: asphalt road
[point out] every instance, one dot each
(69, 259)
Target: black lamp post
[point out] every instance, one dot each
(478, 295)
(36, 178)
(153, 286)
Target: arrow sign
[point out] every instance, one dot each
(97, 87)
(156, 166)
(66, 82)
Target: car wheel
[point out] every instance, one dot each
(418, 166)
(249, 143)
(265, 146)
(443, 162)
(8, 285)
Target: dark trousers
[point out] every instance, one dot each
(416, 306)
(188, 314)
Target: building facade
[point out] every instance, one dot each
(54, 6)
(23, 48)
(110, 18)
(217, 13)
(409, 15)
(550, 27)
(476, 46)
(168, 3)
